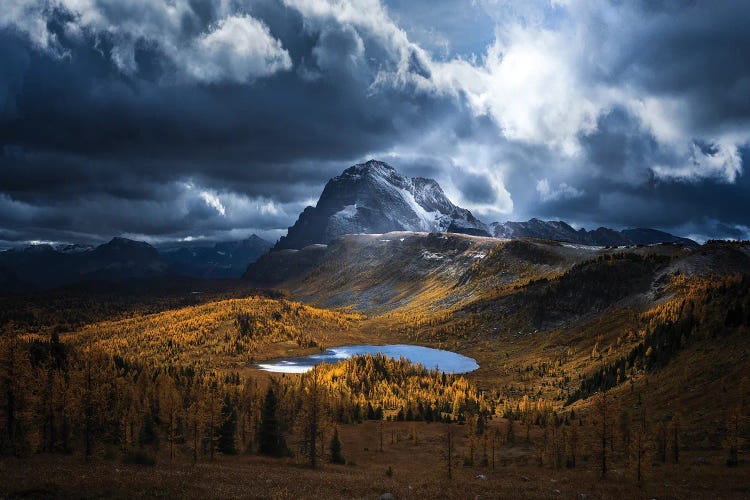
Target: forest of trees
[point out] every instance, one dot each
(375, 387)
(707, 309)
(62, 397)
(231, 330)
(59, 398)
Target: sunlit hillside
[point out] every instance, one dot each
(233, 332)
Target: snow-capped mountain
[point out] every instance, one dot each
(373, 198)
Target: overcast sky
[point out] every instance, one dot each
(163, 120)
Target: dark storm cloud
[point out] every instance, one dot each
(476, 188)
(671, 153)
(619, 144)
(212, 120)
(618, 189)
(78, 132)
(691, 48)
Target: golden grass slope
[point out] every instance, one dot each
(208, 334)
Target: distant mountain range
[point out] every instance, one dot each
(121, 259)
(45, 266)
(373, 198)
(561, 231)
(226, 259)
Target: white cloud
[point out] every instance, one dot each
(527, 81)
(214, 202)
(338, 49)
(528, 87)
(237, 48)
(371, 18)
(547, 83)
(563, 191)
(29, 17)
(722, 162)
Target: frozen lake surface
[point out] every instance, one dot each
(445, 361)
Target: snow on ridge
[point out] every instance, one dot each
(428, 220)
(348, 212)
(581, 246)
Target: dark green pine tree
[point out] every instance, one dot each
(335, 448)
(147, 434)
(228, 428)
(480, 423)
(270, 440)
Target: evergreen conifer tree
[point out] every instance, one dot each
(270, 440)
(335, 448)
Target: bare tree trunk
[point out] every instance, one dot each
(602, 411)
(494, 437)
(312, 424)
(449, 454)
(88, 410)
(380, 429)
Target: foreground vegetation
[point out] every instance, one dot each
(418, 471)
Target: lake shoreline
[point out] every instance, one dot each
(430, 358)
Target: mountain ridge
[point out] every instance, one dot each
(45, 266)
(222, 259)
(122, 259)
(602, 236)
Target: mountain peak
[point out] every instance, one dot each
(120, 242)
(222, 259)
(119, 248)
(373, 198)
(370, 165)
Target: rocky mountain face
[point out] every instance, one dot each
(561, 231)
(373, 198)
(226, 259)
